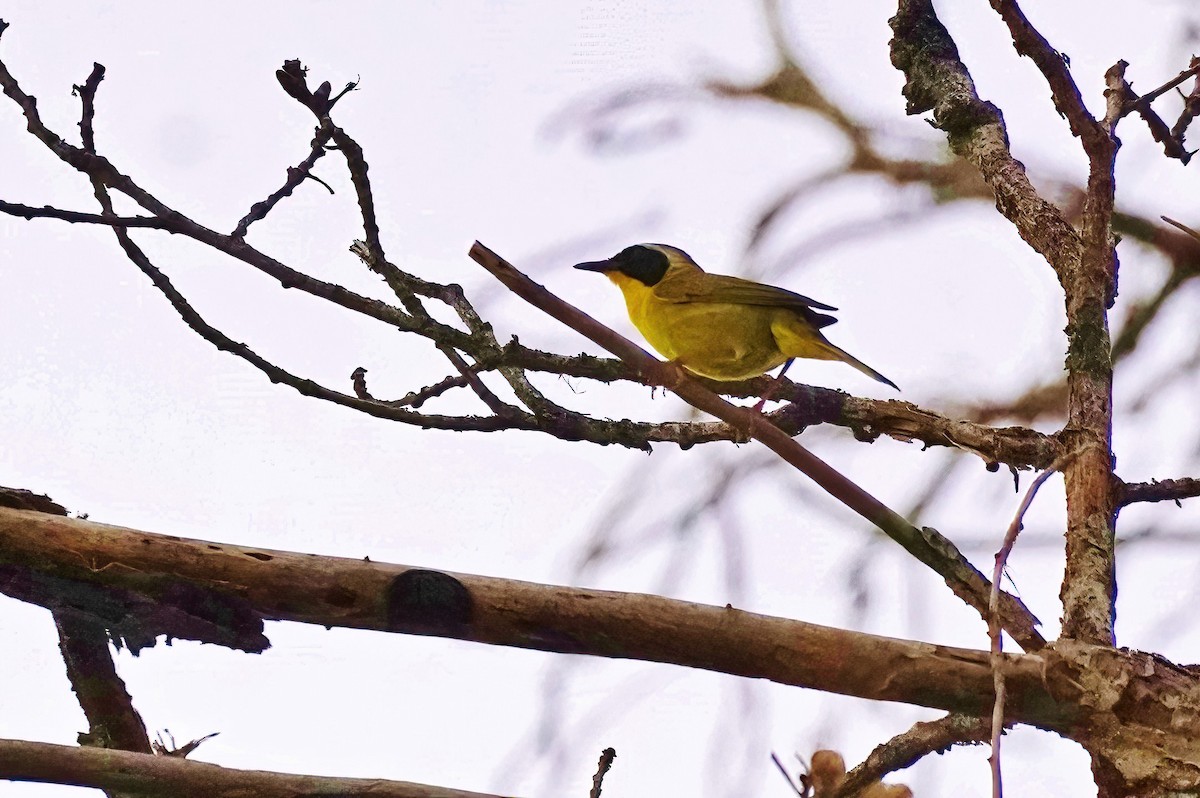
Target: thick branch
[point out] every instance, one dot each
(113, 721)
(938, 81)
(1123, 700)
(1089, 587)
(1084, 261)
(169, 776)
(362, 594)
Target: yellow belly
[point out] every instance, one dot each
(718, 341)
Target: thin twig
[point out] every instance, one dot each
(414, 399)
(994, 627)
(1181, 226)
(1151, 96)
(787, 776)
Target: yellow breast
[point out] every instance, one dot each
(721, 341)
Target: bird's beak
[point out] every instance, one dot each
(596, 266)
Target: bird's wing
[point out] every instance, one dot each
(735, 290)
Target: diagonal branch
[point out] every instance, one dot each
(1054, 67)
(938, 81)
(927, 545)
(295, 176)
(113, 722)
(904, 750)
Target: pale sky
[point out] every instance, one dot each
(113, 407)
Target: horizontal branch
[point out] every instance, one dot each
(1019, 447)
(47, 212)
(810, 405)
(150, 776)
(1166, 490)
(1068, 687)
(362, 594)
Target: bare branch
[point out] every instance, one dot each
(295, 176)
(1053, 66)
(1193, 70)
(1085, 263)
(1170, 138)
(938, 81)
(906, 749)
(927, 545)
(1166, 490)
(1122, 100)
(994, 633)
(76, 217)
(413, 399)
(1019, 447)
(113, 721)
(169, 776)
(1191, 106)
(366, 594)
(87, 94)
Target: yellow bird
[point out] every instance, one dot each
(720, 327)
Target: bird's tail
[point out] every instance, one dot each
(844, 356)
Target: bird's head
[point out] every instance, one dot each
(646, 263)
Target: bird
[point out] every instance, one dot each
(717, 326)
